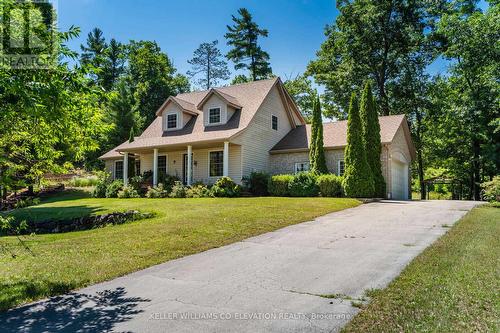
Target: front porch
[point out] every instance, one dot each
(191, 163)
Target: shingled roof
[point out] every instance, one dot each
(335, 134)
(247, 95)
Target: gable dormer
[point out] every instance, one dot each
(217, 107)
(175, 113)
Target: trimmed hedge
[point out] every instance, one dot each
(330, 185)
(279, 185)
(304, 184)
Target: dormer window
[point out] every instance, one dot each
(214, 116)
(172, 121)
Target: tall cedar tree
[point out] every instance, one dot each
(207, 61)
(246, 53)
(317, 152)
(371, 134)
(358, 179)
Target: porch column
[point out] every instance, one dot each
(125, 169)
(189, 165)
(225, 168)
(155, 167)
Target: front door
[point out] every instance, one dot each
(184, 168)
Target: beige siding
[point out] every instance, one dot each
(215, 102)
(259, 137)
(109, 166)
(200, 156)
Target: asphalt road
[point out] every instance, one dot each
(268, 283)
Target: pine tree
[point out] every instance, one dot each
(358, 179)
(93, 55)
(371, 135)
(246, 53)
(114, 64)
(317, 153)
(207, 61)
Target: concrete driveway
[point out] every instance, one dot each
(269, 283)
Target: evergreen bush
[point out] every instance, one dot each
(371, 135)
(279, 185)
(358, 179)
(330, 185)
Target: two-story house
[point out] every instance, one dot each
(234, 130)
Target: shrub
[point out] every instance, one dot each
(304, 184)
(156, 192)
(84, 181)
(128, 192)
(136, 183)
(178, 190)
(257, 183)
(358, 177)
(330, 185)
(225, 187)
(103, 180)
(279, 185)
(168, 181)
(198, 191)
(113, 189)
(29, 201)
(491, 190)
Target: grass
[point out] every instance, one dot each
(451, 287)
(63, 262)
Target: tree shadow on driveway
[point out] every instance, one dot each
(74, 312)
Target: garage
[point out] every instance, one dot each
(399, 177)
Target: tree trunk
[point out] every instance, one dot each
(30, 190)
(476, 169)
(420, 159)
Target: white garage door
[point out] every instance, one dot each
(399, 180)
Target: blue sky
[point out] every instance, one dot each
(295, 27)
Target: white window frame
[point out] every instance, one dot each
(277, 122)
(114, 171)
(295, 167)
(338, 167)
(220, 115)
(176, 114)
(213, 151)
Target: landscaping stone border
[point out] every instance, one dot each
(84, 223)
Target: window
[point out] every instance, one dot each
(216, 163)
(341, 168)
(301, 166)
(118, 169)
(171, 120)
(214, 116)
(137, 167)
(162, 164)
(274, 122)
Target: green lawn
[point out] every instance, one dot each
(451, 287)
(181, 226)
